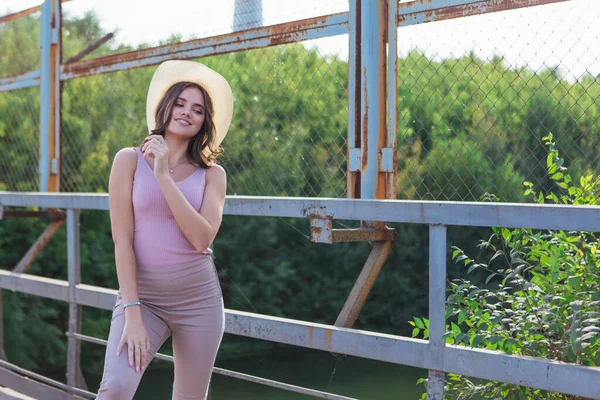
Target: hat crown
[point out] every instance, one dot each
(216, 86)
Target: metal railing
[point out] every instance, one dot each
(433, 354)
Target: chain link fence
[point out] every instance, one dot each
(280, 142)
(476, 97)
(19, 140)
(19, 109)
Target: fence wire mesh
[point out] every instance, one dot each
(281, 143)
(19, 45)
(19, 140)
(477, 96)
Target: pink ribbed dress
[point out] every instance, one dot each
(179, 292)
(157, 239)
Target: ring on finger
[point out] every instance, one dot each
(138, 347)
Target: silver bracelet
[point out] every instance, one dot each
(131, 303)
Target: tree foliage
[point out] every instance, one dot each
(540, 297)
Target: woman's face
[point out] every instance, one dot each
(188, 113)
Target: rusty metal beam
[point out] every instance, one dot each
(23, 13)
(321, 229)
(362, 287)
(291, 32)
(363, 235)
(423, 11)
(90, 48)
(36, 385)
(20, 81)
(46, 214)
(38, 246)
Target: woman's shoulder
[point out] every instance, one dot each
(126, 157)
(216, 173)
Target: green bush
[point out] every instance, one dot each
(541, 296)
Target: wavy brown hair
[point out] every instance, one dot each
(203, 139)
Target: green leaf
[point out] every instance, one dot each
(497, 254)
(419, 323)
(477, 340)
(415, 332)
(489, 278)
(505, 233)
(448, 313)
(461, 316)
(460, 258)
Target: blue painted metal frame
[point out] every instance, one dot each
(372, 105)
(388, 157)
(45, 94)
(433, 354)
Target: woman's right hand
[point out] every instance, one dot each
(136, 338)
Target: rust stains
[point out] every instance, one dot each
(328, 339)
(465, 10)
(236, 41)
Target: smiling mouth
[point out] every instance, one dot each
(183, 122)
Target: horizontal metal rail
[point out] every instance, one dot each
(43, 379)
(538, 373)
(291, 32)
(22, 81)
(237, 375)
(23, 13)
(423, 11)
(490, 365)
(416, 12)
(509, 215)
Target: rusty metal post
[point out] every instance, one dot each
(389, 160)
(354, 94)
(50, 97)
(373, 98)
(74, 375)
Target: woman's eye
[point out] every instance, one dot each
(179, 104)
(199, 112)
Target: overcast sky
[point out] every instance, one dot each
(565, 34)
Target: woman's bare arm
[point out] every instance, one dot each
(120, 188)
(200, 228)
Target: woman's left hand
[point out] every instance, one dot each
(155, 146)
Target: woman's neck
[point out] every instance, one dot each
(177, 150)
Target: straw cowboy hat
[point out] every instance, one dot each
(171, 72)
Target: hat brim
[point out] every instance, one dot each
(173, 71)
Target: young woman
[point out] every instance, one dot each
(166, 204)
